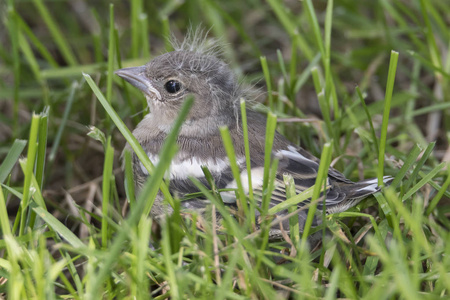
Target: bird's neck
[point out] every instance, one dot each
(156, 125)
(206, 126)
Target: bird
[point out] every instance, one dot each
(195, 69)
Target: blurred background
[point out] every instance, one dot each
(45, 45)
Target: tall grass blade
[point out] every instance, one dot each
(387, 109)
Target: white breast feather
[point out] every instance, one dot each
(192, 166)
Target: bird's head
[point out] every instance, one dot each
(169, 79)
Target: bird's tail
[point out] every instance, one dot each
(357, 191)
(367, 187)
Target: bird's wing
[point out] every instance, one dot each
(303, 168)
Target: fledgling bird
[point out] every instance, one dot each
(195, 69)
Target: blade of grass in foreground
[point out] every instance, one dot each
(371, 263)
(127, 134)
(294, 228)
(58, 227)
(247, 162)
(146, 198)
(37, 195)
(228, 144)
(410, 160)
(31, 158)
(419, 166)
(235, 229)
(322, 174)
(270, 133)
(4, 220)
(294, 200)
(423, 181)
(106, 189)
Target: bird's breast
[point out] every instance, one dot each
(182, 169)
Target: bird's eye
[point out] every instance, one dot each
(172, 86)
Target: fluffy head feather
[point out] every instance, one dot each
(196, 40)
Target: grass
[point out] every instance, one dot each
(364, 86)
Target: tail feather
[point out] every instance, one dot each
(355, 192)
(366, 187)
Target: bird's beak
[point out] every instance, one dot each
(136, 76)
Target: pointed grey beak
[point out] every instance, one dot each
(136, 76)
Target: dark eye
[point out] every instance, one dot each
(172, 86)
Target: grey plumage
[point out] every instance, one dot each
(194, 69)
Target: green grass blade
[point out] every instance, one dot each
(315, 26)
(136, 10)
(387, 109)
(29, 171)
(129, 178)
(37, 195)
(409, 162)
(369, 118)
(146, 198)
(294, 227)
(127, 134)
(268, 80)
(56, 33)
(4, 219)
(322, 175)
(440, 193)
(36, 42)
(334, 283)
(292, 201)
(13, 28)
(372, 262)
(58, 227)
(270, 133)
(34, 66)
(228, 144)
(42, 147)
(431, 42)
(282, 65)
(247, 162)
(235, 228)
(168, 263)
(106, 190)
(423, 181)
(111, 53)
(11, 158)
(62, 126)
(303, 77)
(287, 20)
(420, 163)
